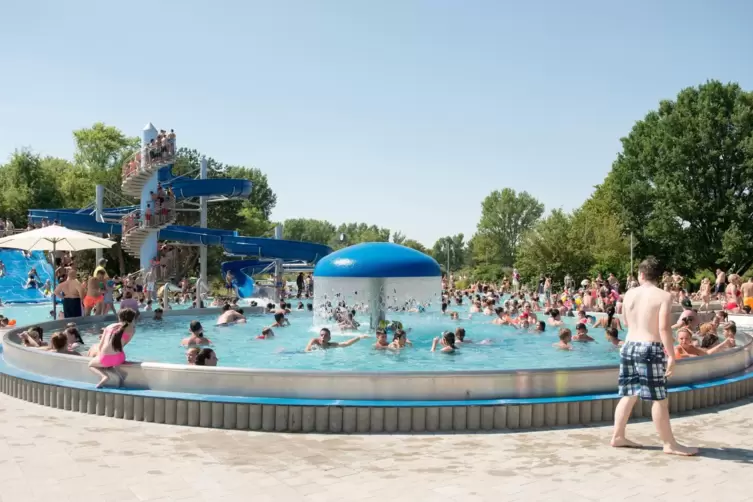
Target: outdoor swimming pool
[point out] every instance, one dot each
(237, 346)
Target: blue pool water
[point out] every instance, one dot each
(509, 348)
(26, 314)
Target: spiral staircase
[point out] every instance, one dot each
(136, 174)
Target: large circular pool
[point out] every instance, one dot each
(504, 347)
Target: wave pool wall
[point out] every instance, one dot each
(346, 402)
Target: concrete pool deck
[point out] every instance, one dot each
(50, 454)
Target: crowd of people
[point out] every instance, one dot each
(159, 212)
(158, 152)
(97, 294)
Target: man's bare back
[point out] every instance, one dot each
(646, 310)
(647, 359)
(747, 289)
(70, 288)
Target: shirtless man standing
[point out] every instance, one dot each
(721, 278)
(747, 289)
(71, 291)
(644, 364)
(95, 293)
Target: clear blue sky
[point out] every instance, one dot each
(395, 112)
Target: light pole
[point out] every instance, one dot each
(449, 249)
(631, 254)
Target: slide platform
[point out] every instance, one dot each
(261, 248)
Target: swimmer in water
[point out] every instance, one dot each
(230, 315)
(191, 355)
(566, 337)
(585, 319)
(581, 334)
(266, 334)
(349, 323)
(280, 321)
(540, 327)
(460, 336)
(196, 337)
(323, 342)
(555, 319)
(400, 340)
(381, 340)
(613, 337)
(447, 342)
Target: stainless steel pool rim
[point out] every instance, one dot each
(45, 378)
(379, 386)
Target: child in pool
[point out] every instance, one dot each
(447, 341)
(400, 340)
(110, 354)
(381, 340)
(566, 337)
(581, 333)
(266, 333)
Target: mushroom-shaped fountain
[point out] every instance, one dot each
(377, 276)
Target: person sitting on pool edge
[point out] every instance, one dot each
(323, 342)
(196, 337)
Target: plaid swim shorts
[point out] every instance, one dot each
(642, 371)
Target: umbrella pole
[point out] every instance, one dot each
(54, 284)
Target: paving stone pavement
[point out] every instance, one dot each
(53, 455)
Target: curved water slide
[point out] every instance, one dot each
(17, 267)
(216, 188)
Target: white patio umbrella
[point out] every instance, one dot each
(54, 238)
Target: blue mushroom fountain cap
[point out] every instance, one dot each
(377, 259)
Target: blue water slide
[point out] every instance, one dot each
(183, 187)
(242, 270)
(17, 267)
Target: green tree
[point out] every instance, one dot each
(27, 184)
(356, 233)
(683, 179)
(450, 247)
(598, 228)
(398, 237)
(505, 217)
(309, 230)
(102, 147)
(100, 153)
(414, 244)
(549, 248)
(248, 216)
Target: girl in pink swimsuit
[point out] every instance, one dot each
(110, 353)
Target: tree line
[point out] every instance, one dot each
(682, 186)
